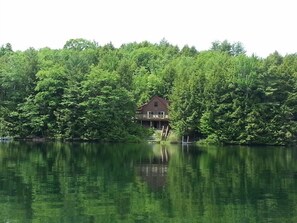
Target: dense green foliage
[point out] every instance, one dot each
(88, 91)
(237, 99)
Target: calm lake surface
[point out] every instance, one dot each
(55, 182)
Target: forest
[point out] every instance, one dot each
(89, 91)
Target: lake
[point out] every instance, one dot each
(83, 182)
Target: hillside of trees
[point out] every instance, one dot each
(88, 91)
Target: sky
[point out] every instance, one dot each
(262, 26)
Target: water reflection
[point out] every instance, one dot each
(154, 170)
(47, 182)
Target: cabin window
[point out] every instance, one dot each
(150, 114)
(156, 104)
(161, 114)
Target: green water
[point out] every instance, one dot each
(146, 183)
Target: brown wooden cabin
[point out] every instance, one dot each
(154, 113)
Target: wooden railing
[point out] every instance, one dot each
(151, 116)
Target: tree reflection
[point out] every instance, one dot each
(57, 182)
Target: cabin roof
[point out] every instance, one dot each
(162, 100)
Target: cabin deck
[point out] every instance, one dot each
(152, 117)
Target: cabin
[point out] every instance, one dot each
(154, 113)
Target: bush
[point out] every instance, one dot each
(212, 139)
